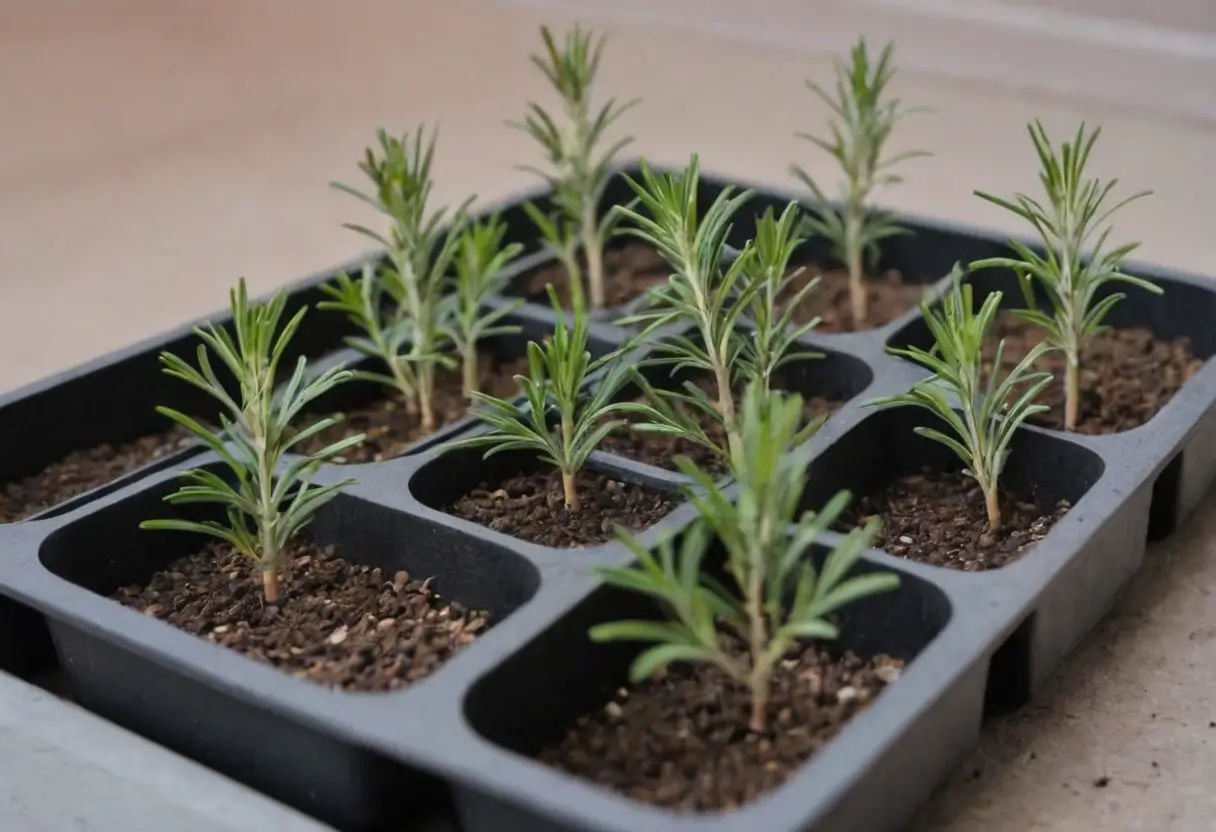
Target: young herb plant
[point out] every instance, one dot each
(713, 296)
(990, 410)
(700, 291)
(421, 249)
(572, 143)
(560, 235)
(385, 334)
(557, 423)
(480, 259)
(263, 511)
(1073, 272)
(778, 599)
(773, 341)
(863, 120)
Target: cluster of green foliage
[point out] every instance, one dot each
(1075, 267)
(580, 156)
(414, 314)
(778, 598)
(862, 122)
(750, 580)
(264, 506)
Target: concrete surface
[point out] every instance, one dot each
(151, 153)
(63, 768)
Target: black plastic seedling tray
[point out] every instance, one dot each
(464, 739)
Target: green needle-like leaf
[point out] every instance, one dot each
(862, 122)
(403, 306)
(1077, 268)
(776, 598)
(258, 434)
(983, 418)
(580, 165)
(557, 424)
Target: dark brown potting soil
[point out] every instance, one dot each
(888, 294)
(680, 740)
(391, 429)
(1127, 375)
(661, 449)
(82, 471)
(940, 518)
(531, 506)
(337, 623)
(629, 271)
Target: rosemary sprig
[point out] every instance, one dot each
(862, 123)
(480, 260)
(558, 423)
(1074, 272)
(778, 598)
(263, 511)
(422, 244)
(989, 414)
(701, 291)
(580, 167)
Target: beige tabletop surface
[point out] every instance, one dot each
(151, 153)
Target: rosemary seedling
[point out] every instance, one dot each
(572, 143)
(263, 511)
(557, 423)
(1073, 273)
(385, 334)
(421, 248)
(778, 599)
(560, 235)
(479, 262)
(773, 341)
(981, 429)
(863, 120)
(700, 291)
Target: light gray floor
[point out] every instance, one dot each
(61, 768)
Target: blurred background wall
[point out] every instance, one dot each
(1130, 53)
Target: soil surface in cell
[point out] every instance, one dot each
(530, 505)
(629, 272)
(680, 740)
(1127, 375)
(83, 471)
(391, 429)
(337, 623)
(661, 450)
(939, 518)
(888, 294)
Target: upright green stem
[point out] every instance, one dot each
(471, 379)
(269, 555)
(426, 396)
(412, 305)
(569, 489)
(857, 288)
(1072, 394)
(757, 642)
(1072, 364)
(972, 383)
(726, 404)
(993, 504)
(578, 299)
(726, 400)
(408, 393)
(593, 247)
